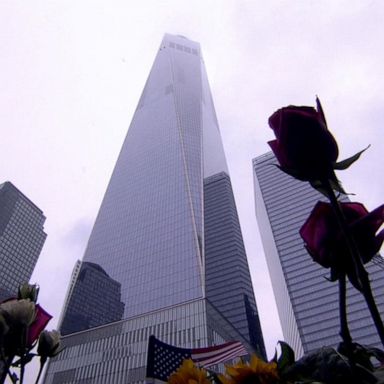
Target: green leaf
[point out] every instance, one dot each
(274, 359)
(320, 111)
(287, 357)
(318, 185)
(336, 185)
(342, 165)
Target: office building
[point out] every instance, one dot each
(307, 302)
(22, 237)
(166, 240)
(97, 309)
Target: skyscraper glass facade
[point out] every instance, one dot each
(307, 302)
(159, 235)
(22, 237)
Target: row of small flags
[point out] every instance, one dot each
(164, 359)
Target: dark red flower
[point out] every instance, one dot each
(41, 321)
(325, 242)
(304, 147)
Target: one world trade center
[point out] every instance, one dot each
(166, 255)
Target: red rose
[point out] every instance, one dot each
(304, 147)
(325, 242)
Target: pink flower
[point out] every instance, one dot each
(41, 321)
(304, 147)
(325, 242)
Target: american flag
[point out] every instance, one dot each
(164, 359)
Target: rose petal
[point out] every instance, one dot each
(41, 321)
(326, 244)
(372, 220)
(304, 144)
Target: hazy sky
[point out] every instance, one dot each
(71, 74)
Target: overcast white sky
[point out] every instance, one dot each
(71, 74)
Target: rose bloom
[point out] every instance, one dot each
(18, 312)
(49, 343)
(325, 242)
(304, 147)
(28, 291)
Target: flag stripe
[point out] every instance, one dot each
(221, 358)
(214, 347)
(214, 350)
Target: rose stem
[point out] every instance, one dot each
(344, 330)
(23, 353)
(362, 274)
(6, 368)
(40, 371)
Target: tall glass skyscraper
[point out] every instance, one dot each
(166, 255)
(307, 302)
(22, 238)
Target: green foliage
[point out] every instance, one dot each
(348, 364)
(286, 359)
(344, 164)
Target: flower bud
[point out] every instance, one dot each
(49, 343)
(18, 312)
(28, 291)
(303, 146)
